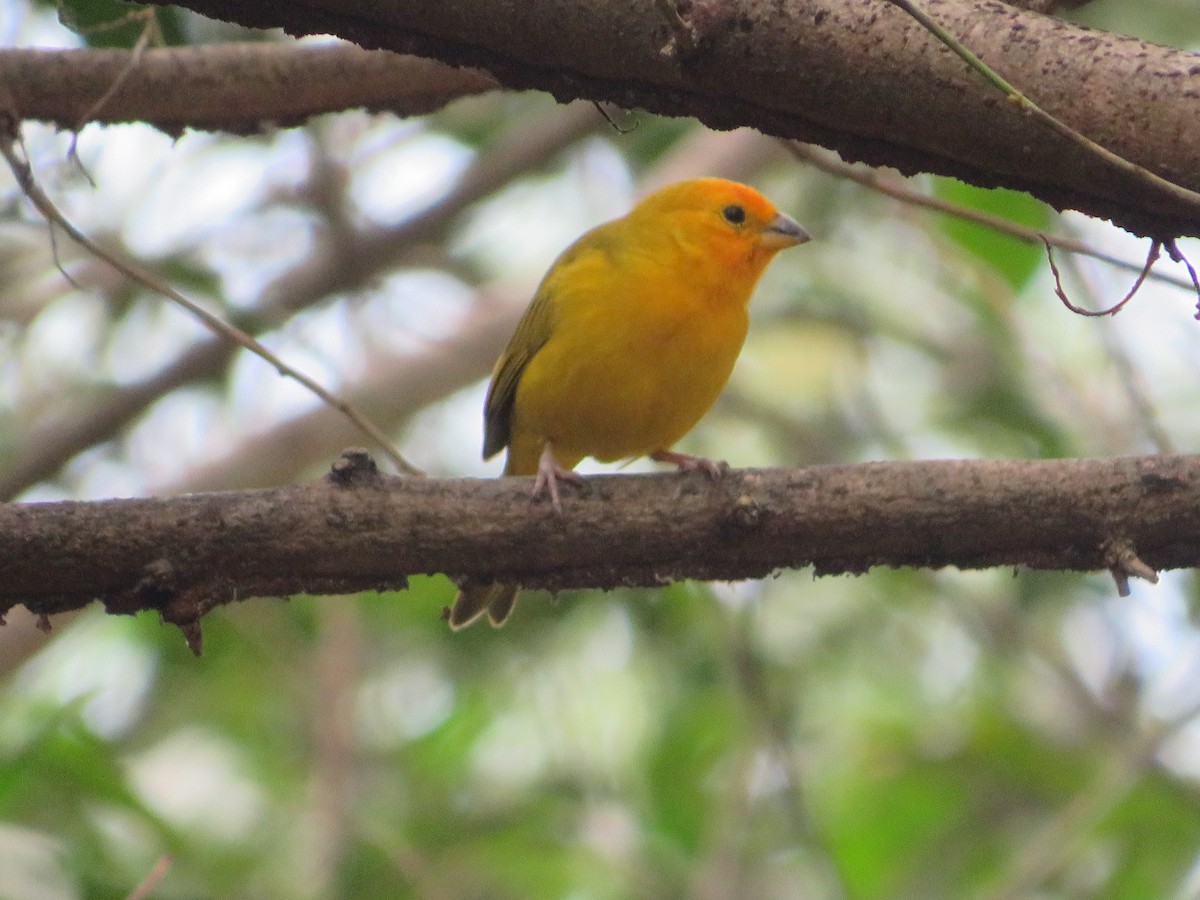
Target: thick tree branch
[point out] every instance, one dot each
(359, 530)
(857, 76)
(231, 87)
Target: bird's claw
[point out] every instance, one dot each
(549, 474)
(685, 462)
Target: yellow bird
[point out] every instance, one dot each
(627, 343)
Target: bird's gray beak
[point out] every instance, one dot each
(784, 231)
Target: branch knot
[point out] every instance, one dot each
(354, 468)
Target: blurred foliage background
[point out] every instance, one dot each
(905, 734)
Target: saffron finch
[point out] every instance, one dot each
(627, 343)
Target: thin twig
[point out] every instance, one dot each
(1133, 170)
(150, 31)
(827, 162)
(1126, 373)
(1176, 255)
(342, 268)
(29, 186)
(617, 127)
(1151, 257)
(152, 879)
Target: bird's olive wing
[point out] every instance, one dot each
(532, 332)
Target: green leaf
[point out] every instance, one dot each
(1014, 260)
(113, 24)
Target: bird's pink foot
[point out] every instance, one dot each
(713, 468)
(549, 474)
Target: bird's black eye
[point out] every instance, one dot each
(734, 214)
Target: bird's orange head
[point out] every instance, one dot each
(720, 221)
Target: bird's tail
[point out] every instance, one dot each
(497, 600)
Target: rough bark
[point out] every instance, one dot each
(858, 76)
(359, 530)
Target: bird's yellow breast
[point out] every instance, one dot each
(633, 361)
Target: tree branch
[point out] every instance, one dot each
(230, 87)
(358, 530)
(853, 75)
